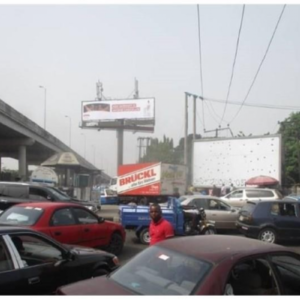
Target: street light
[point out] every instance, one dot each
(93, 146)
(45, 101)
(69, 130)
(84, 143)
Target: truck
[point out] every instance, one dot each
(227, 161)
(143, 183)
(137, 218)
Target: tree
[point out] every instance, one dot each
(290, 131)
(162, 151)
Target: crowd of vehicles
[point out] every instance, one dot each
(202, 265)
(12, 193)
(43, 243)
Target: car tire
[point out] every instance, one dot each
(268, 235)
(145, 236)
(116, 244)
(100, 272)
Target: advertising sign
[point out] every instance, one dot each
(142, 109)
(235, 160)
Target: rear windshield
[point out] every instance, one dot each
(160, 271)
(249, 207)
(21, 215)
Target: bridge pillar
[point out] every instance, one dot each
(22, 162)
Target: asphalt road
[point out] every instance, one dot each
(132, 245)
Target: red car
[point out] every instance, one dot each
(67, 223)
(201, 265)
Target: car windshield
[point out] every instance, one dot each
(182, 198)
(59, 194)
(21, 215)
(160, 271)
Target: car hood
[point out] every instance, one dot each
(86, 251)
(96, 286)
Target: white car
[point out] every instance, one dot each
(239, 197)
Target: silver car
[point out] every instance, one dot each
(216, 210)
(239, 197)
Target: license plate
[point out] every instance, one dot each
(245, 228)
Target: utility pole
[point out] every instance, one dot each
(99, 90)
(195, 109)
(185, 128)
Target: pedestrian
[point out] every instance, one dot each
(223, 190)
(160, 229)
(232, 188)
(215, 191)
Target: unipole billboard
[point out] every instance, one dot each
(134, 109)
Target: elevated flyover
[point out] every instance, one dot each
(24, 140)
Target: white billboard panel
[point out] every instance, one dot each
(140, 109)
(235, 160)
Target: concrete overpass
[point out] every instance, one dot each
(24, 140)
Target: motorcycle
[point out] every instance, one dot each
(202, 225)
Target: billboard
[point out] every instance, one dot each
(235, 160)
(133, 109)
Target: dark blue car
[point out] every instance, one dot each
(270, 221)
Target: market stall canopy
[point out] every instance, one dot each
(69, 159)
(262, 180)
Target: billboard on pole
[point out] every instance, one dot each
(137, 109)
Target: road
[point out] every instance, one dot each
(132, 245)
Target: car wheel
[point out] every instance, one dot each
(209, 231)
(144, 236)
(116, 244)
(100, 272)
(268, 235)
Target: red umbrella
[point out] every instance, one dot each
(262, 180)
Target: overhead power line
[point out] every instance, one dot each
(260, 65)
(270, 106)
(233, 66)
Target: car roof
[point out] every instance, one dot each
(255, 189)
(200, 197)
(215, 248)
(47, 204)
(21, 183)
(9, 229)
(293, 197)
(272, 201)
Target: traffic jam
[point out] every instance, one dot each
(205, 240)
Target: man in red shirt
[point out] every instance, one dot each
(160, 229)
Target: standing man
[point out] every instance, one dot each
(223, 190)
(160, 229)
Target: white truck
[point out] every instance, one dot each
(149, 182)
(229, 161)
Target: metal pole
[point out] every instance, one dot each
(45, 109)
(185, 128)
(70, 131)
(194, 135)
(120, 137)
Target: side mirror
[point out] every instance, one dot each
(101, 220)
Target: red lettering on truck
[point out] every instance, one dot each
(139, 176)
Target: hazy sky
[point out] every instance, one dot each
(68, 48)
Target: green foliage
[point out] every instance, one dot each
(165, 152)
(290, 131)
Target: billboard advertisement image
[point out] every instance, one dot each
(140, 109)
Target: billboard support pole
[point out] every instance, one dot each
(120, 137)
(185, 128)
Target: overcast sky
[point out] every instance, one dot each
(68, 48)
